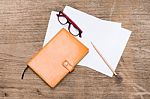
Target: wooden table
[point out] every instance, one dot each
(23, 25)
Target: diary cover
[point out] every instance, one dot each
(58, 57)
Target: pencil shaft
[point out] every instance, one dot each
(104, 59)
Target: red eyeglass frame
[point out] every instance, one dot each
(70, 22)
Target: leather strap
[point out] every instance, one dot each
(68, 66)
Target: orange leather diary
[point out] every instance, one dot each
(58, 57)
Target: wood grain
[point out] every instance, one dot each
(23, 24)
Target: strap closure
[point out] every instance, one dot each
(68, 66)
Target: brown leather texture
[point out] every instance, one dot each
(58, 57)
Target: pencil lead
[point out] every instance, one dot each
(119, 79)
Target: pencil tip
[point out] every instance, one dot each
(118, 78)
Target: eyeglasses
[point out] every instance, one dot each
(72, 27)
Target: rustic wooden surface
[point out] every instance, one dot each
(23, 24)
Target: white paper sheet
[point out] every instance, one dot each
(107, 36)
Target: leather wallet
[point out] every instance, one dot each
(58, 57)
